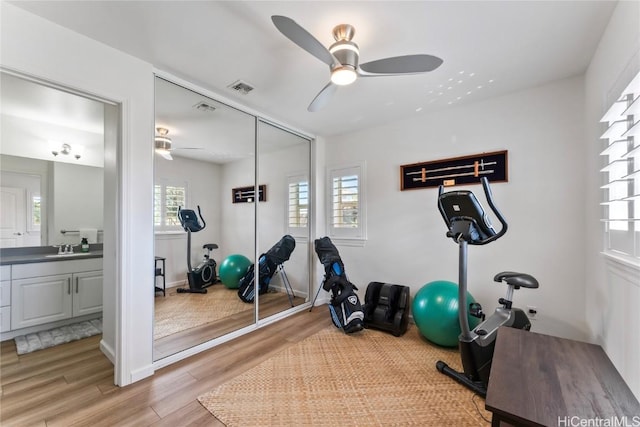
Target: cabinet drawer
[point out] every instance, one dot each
(23, 271)
(5, 293)
(5, 272)
(5, 319)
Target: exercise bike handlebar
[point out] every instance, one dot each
(503, 222)
(204, 224)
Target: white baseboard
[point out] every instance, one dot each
(142, 373)
(108, 352)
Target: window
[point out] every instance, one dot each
(298, 203)
(346, 204)
(167, 200)
(621, 189)
(35, 213)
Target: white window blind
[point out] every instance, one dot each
(167, 199)
(346, 205)
(621, 172)
(298, 204)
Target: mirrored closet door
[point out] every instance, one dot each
(205, 151)
(207, 154)
(283, 218)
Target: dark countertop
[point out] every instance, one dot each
(10, 256)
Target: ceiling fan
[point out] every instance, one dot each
(163, 144)
(342, 58)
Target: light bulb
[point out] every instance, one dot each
(343, 76)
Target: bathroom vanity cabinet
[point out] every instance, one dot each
(46, 292)
(5, 298)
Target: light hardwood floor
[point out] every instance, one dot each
(72, 384)
(171, 344)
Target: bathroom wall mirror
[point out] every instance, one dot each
(283, 167)
(51, 160)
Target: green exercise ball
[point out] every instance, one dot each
(435, 312)
(232, 269)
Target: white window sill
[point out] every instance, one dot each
(172, 234)
(626, 265)
(342, 241)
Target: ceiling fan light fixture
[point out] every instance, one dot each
(162, 142)
(343, 75)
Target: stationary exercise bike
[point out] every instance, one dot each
(469, 225)
(204, 274)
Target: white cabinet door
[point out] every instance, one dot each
(40, 300)
(5, 305)
(87, 293)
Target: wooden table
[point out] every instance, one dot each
(540, 380)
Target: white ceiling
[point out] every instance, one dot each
(34, 116)
(489, 48)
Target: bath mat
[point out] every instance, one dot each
(56, 336)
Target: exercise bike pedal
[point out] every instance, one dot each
(475, 309)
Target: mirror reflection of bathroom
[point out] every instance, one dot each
(283, 219)
(203, 149)
(52, 162)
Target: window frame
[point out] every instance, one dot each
(296, 229)
(620, 171)
(347, 235)
(164, 184)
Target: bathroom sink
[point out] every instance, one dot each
(67, 255)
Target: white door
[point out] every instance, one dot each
(13, 214)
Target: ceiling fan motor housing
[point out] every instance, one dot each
(346, 52)
(344, 49)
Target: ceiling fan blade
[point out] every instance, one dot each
(408, 64)
(187, 148)
(322, 98)
(303, 38)
(165, 154)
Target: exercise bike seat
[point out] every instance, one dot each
(210, 246)
(517, 280)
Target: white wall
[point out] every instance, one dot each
(39, 48)
(543, 201)
(203, 183)
(274, 169)
(238, 219)
(612, 288)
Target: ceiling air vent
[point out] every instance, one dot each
(203, 106)
(240, 86)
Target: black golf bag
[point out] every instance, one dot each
(346, 311)
(268, 263)
(386, 307)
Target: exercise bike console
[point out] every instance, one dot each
(469, 224)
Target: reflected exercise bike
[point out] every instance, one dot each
(204, 274)
(469, 225)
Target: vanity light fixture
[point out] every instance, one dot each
(64, 148)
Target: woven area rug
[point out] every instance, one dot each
(64, 334)
(332, 379)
